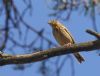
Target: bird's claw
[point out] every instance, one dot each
(68, 45)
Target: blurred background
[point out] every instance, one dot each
(24, 29)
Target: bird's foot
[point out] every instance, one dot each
(68, 45)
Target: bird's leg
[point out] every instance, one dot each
(67, 45)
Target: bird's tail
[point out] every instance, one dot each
(79, 57)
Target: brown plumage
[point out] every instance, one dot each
(63, 36)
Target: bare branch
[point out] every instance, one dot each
(93, 33)
(42, 55)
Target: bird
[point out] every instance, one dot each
(63, 36)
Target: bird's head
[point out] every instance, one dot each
(53, 23)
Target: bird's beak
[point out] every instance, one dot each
(49, 22)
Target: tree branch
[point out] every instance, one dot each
(93, 33)
(6, 59)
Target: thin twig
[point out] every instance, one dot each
(93, 33)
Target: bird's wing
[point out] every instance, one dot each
(64, 28)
